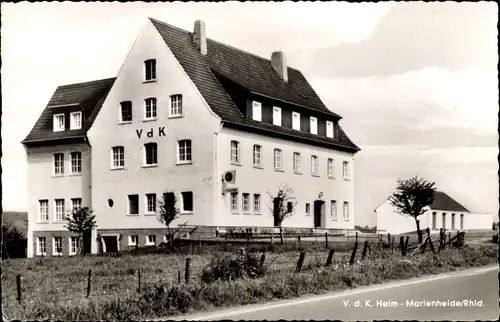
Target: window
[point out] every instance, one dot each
(329, 129)
(187, 201)
(76, 121)
(118, 157)
(41, 247)
(434, 215)
(277, 159)
(59, 164)
(176, 105)
(257, 155)
(59, 205)
(346, 169)
(256, 111)
(151, 240)
(333, 209)
(296, 121)
(314, 125)
(150, 108)
(452, 221)
(76, 203)
(150, 154)
(256, 203)
(43, 210)
(296, 162)
(461, 221)
(76, 162)
(346, 210)
(133, 240)
(308, 208)
(314, 165)
(151, 203)
(184, 151)
(444, 220)
(150, 69)
(246, 202)
(235, 151)
(73, 245)
(57, 246)
(126, 111)
(234, 201)
(58, 122)
(277, 116)
(133, 204)
(330, 168)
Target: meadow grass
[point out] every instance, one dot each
(55, 288)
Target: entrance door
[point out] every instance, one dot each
(319, 214)
(276, 212)
(87, 242)
(111, 244)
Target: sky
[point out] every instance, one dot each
(416, 83)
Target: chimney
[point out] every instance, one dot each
(199, 36)
(278, 60)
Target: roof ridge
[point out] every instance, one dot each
(88, 82)
(222, 44)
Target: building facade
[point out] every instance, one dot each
(444, 212)
(220, 128)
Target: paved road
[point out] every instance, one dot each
(478, 286)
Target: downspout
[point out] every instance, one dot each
(216, 175)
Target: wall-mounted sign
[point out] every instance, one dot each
(150, 133)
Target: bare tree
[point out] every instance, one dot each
(80, 220)
(282, 206)
(412, 198)
(168, 211)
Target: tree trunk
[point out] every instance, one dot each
(419, 233)
(80, 244)
(281, 235)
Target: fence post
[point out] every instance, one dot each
(88, 283)
(449, 239)
(425, 245)
(402, 245)
(326, 239)
(139, 280)
(178, 276)
(393, 241)
(389, 239)
(356, 237)
(330, 257)
(406, 243)
(262, 259)
(301, 261)
(19, 289)
(353, 255)
(365, 248)
(187, 269)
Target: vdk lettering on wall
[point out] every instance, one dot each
(149, 134)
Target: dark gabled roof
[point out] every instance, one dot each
(444, 202)
(254, 73)
(89, 95)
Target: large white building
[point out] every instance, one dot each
(183, 111)
(444, 212)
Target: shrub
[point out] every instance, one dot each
(232, 267)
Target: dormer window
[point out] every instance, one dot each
(329, 129)
(58, 122)
(277, 116)
(76, 121)
(314, 125)
(296, 121)
(150, 70)
(256, 111)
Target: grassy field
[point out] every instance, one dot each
(56, 288)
